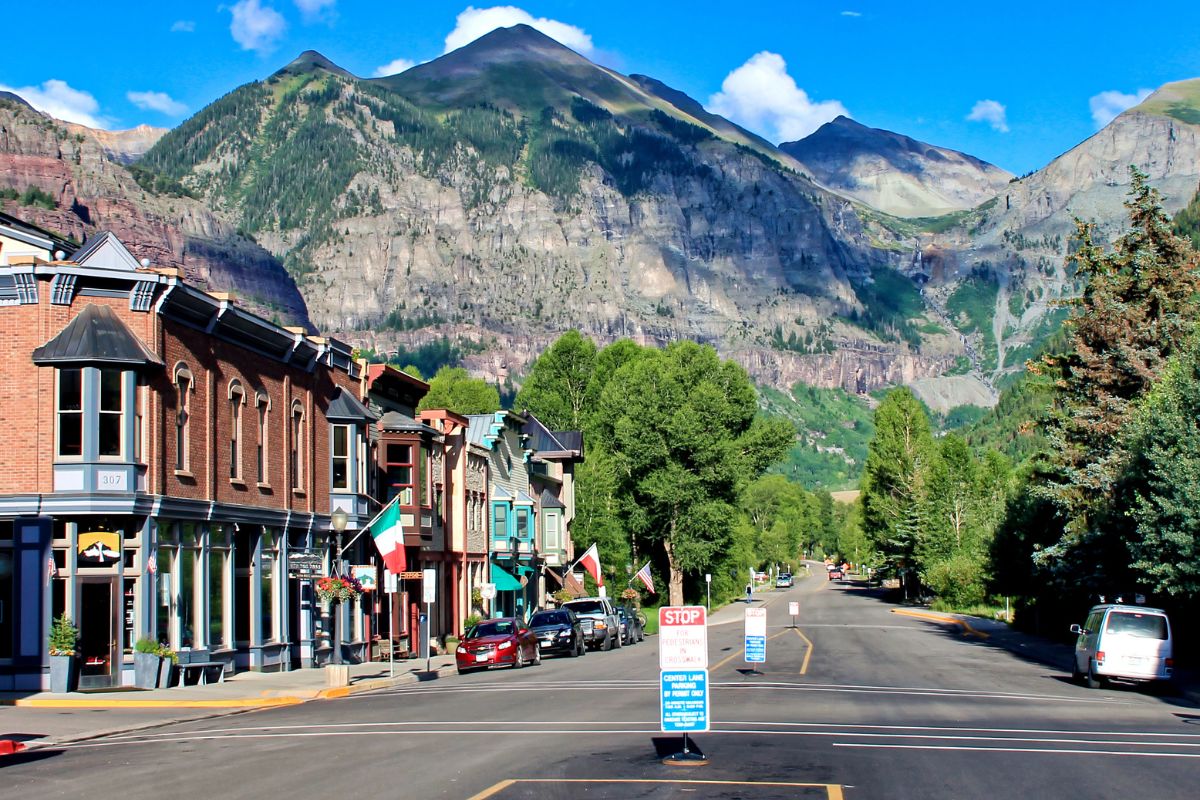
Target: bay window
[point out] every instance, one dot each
(340, 452)
(70, 413)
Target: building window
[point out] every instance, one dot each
(8, 601)
(70, 413)
(218, 578)
(423, 477)
(551, 523)
(111, 406)
(499, 522)
(139, 428)
(264, 406)
(183, 400)
(266, 598)
(237, 398)
(297, 455)
(522, 514)
(340, 455)
(399, 469)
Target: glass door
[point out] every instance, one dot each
(99, 633)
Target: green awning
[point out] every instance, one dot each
(504, 582)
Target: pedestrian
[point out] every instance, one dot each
(749, 592)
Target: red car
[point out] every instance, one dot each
(494, 642)
(836, 574)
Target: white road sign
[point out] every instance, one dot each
(793, 609)
(429, 586)
(756, 621)
(682, 638)
(487, 591)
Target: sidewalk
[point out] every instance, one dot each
(44, 718)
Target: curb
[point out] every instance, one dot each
(233, 703)
(932, 616)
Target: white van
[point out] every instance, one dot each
(1131, 643)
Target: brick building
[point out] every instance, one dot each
(163, 452)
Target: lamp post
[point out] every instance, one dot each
(337, 521)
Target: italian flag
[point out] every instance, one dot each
(389, 536)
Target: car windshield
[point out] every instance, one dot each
(588, 607)
(1145, 626)
(498, 627)
(550, 618)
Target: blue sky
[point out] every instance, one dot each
(1014, 83)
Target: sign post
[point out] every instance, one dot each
(756, 636)
(428, 594)
(683, 677)
(389, 586)
(708, 590)
(794, 611)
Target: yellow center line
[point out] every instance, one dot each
(833, 791)
(807, 654)
(732, 656)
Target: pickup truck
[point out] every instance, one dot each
(601, 627)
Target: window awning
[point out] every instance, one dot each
(504, 582)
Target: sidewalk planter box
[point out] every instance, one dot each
(164, 673)
(64, 674)
(145, 670)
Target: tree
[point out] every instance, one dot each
(452, 388)
(557, 387)
(895, 478)
(682, 428)
(1160, 490)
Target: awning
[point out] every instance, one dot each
(504, 582)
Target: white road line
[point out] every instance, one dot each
(1050, 751)
(1047, 731)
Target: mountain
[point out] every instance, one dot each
(1006, 259)
(894, 173)
(72, 180)
(124, 147)
(512, 189)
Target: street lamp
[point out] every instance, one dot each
(337, 521)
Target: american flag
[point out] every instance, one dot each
(643, 575)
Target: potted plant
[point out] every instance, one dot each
(145, 663)
(168, 658)
(64, 661)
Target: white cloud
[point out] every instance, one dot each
(761, 96)
(60, 101)
(255, 27)
(394, 67)
(157, 101)
(1107, 105)
(316, 10)
(475, 22)
(851, 14)
(184, 26)
(991, 112)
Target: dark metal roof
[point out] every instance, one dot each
(550, 444)
(570, 440)
(550, 501)
(96, 336)
(345, 407)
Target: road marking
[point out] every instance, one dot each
(726, 660)
(833, 791)
(1051, 751)
(966, 628)
(807, 653)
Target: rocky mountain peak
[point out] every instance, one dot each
(1179, 100)
(14, 98)
(896, 173)
(312, 61)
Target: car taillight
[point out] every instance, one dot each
(1170, 662)
(1099, 656)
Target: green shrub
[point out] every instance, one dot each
(959, 580)
(64, 636)
(146, 645)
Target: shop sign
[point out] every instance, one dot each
(410, 576)
(305, 563)
(99, 548)
(366, 575)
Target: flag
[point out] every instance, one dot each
(591, 562)
(388, 535)
(51, 567)
(643, 575)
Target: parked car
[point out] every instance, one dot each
(558, 631)
(601, 627)
(784, 581)
(1131, 643)
(495, 642)
(632, 626)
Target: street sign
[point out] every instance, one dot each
(756, 635)
(487, 591)
(429, 586)
(683, 697)
(682, 638)
(793, 609)
(305, 563)
(390, 582)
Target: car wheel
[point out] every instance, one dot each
(608, 642)
(537, 656)
(520, 662)
(1094, 681)
(576, 650)
(620, 641)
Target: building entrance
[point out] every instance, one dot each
(99, 633)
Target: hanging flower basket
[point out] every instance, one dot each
(338, 589)
(630, 595)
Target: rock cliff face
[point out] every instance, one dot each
(894, 173)
(78, 169)
(124, 147)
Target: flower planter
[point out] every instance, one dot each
(64, 674)
(164, 673)
(145, 670)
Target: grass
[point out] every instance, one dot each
(845, 421)
(974, 304)
(983, 610)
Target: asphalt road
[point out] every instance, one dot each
(855, 702)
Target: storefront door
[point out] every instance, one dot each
(99, 632)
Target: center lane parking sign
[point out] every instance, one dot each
(684, 698)
(683, 665)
